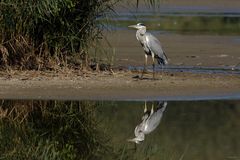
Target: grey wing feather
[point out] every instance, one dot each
(153, 122)
(161, 106)
(156, 117)
(154, 46)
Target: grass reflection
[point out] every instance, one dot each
(50, 130)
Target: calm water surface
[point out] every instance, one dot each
(102, 129)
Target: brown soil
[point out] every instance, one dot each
(119, 86)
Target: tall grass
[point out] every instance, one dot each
(49, 33)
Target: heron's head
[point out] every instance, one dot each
(139, 136)
(138, 26)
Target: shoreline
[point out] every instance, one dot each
(120, 86)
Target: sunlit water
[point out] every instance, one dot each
(203, 130)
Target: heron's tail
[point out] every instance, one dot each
(162, 105)
(162, 60)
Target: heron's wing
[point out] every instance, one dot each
(154, 120)
(154, 46)
(152, 123)
(139, 128)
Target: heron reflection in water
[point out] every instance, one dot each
(150, 121)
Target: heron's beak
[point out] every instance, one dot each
(133, 140)
(133, 26)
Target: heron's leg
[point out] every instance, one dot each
(152, 109)
(144, 67)
(161, 71)
(153, 59)
(233, 68)
(135, 147)
(145, 107)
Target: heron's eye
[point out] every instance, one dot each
(140, 24)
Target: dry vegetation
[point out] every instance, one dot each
(49, 34)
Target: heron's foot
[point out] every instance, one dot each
(111, 72)
(141, 78)
(136, 77)
(161, 77)
(143, 72)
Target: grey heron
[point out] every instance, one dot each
(152, 47)
(150, 121)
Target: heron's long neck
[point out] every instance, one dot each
(141, 31)
(140, 34)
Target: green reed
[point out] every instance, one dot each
(49, 33)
